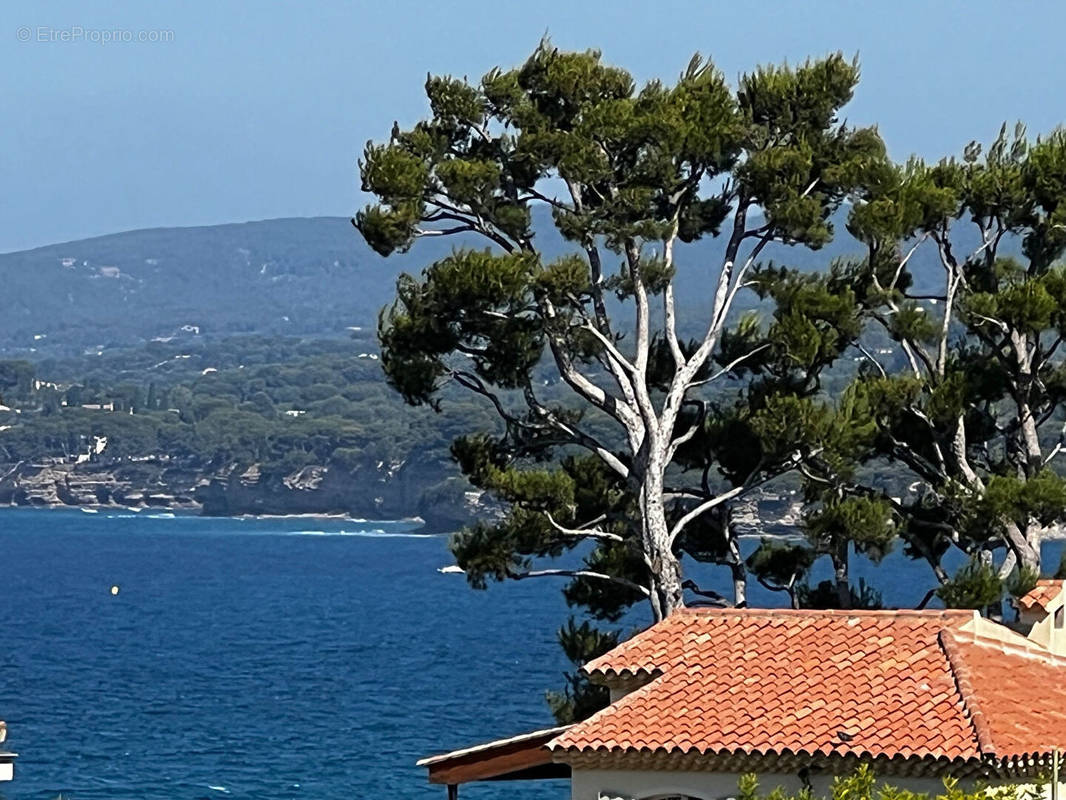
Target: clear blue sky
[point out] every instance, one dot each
(261, 110)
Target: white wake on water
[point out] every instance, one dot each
(377, 533)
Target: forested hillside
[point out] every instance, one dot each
(287, 276)
(206, 413)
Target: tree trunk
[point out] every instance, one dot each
(666, 593)
(1030, 440)
(666, 587)
(1025, 544)
(1030, 436)
(740, 585)
(1008, 565)
(736, 563)
(840, 573)
(1034, 535)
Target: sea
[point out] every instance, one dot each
(158, 656)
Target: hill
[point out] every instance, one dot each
(283, 276)
(290, 277)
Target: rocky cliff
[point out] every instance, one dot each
(383, 492)
(131, 484)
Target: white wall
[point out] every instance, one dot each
(592, 784)
(1045, 633)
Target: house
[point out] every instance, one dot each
(110, 406)
(798, 697)
(7, 760)
(1042, 612)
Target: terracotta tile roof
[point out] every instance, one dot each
(861, 684)
(1016, 698)
(1046, 590)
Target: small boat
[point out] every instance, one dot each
(454, 569)
(90, 510)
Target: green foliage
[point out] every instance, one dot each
(580, 697)
(782, 566)
(862, 784)
(1021, 582)
(474, 303)
(867, 522)
(16, 378)
(794, 143)
(826, 594)
(975, 585)
(780, 562)
(1042, 497)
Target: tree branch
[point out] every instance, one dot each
(577, 436)
(716, 599)
(581, 384)
(669, 312)
(736, 362)
(580, 573)
(613, 351)
(749, 484)
(723, 300)
(869, 356)
(687, 435)
(584, 531)
(643, 341)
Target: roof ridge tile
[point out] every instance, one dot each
(967, 694)
(1046, 590)
(924, 614)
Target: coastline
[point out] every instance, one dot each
(416, 524)
(197, 511)
(1051, 534)
(309, 493)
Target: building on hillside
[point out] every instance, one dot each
(798, 697)
(110, 406)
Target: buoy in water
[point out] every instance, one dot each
(114, 589)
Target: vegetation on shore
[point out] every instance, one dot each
(279, 404)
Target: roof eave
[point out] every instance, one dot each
(513, 758)
(787, 761)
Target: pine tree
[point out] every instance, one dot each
(624, 443)
(973, 414)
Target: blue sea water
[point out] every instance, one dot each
(294, 658)
(278, 658)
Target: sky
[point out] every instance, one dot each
(233, 111)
